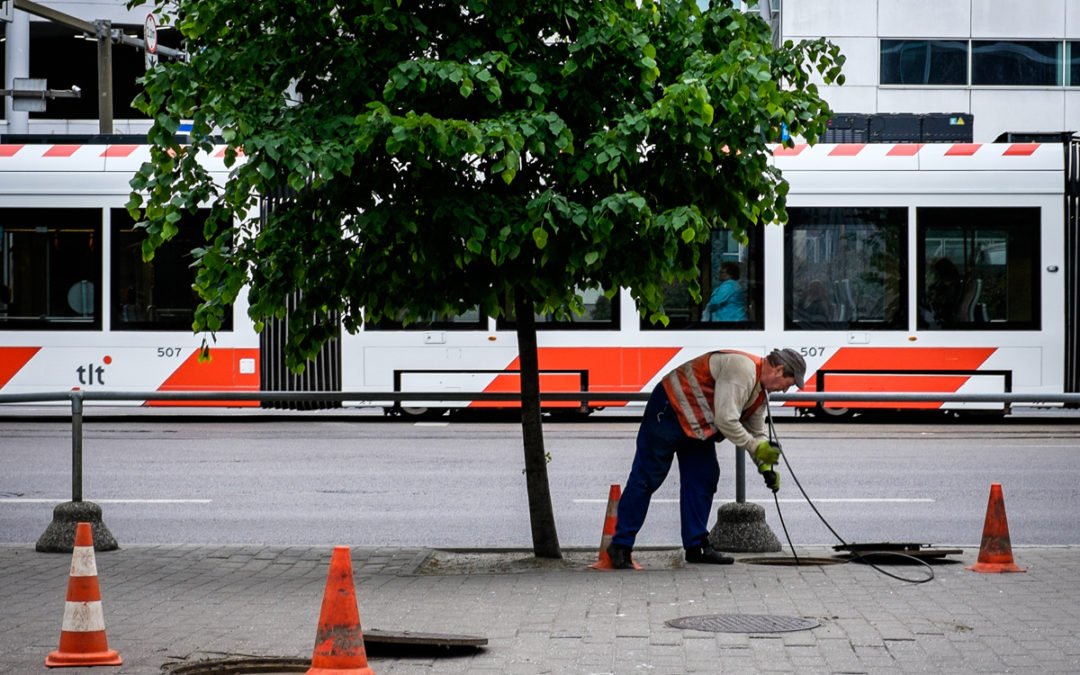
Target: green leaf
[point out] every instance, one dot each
(510, 167)
(296, 182)
(410, 196)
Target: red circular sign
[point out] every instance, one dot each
(150, 33)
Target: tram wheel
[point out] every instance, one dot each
(419, 413)
(833, 414)
(569, 414)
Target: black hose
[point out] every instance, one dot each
(773, 439)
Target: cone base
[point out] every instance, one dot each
(992, 568)
(340, 671)
(605, 566)
(60, 659)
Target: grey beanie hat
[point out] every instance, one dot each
(793, 363)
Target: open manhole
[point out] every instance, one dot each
(790, 561)
(268, 665)
(743, 623)
(377, 643)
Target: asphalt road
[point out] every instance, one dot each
(363, 481)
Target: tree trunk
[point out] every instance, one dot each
(542, 516)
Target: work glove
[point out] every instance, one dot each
(771, 476)
(765, 454)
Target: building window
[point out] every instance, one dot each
(64, 58)
(924, 62)
(1072, 73)
(978, 268)
(844, 268)
(1024, 63)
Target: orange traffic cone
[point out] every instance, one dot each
(82, 637)
(610, 518)
(995, 553)
(339, 642)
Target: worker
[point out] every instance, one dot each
(715, 396)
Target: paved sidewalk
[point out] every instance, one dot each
(182, 603)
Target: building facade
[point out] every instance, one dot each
(32, 47)
(1013, 66)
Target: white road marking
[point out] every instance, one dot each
(31, 500)
(834, 500)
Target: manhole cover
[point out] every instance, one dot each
(743, 623)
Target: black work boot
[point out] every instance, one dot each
(705, 553)
(620, 556)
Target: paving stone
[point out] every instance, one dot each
(165, 603)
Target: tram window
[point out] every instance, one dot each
(732, 288)
(470, 319)
(845, 268)
(155, 295)
(978, 268)
(601, 313)
(51, 269)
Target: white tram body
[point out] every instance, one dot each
(1019, 349)
(921, 267)
(63, 320)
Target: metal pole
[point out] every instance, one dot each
(17, 57)
(105, 88)
(740, 476)
(76, 445)
(52, 15)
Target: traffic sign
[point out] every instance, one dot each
(150, 41)
(150, 33)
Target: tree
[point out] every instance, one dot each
(441, 156)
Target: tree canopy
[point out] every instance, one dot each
(437, 156)
(447, 155)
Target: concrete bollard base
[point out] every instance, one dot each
(741, 528)
(59, 536)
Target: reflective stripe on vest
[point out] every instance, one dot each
(691, 390)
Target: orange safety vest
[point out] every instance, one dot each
(691, 389)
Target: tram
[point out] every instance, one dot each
(908, 267)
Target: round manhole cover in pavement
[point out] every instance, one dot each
(743, 623)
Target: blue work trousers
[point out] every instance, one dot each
(660, 439)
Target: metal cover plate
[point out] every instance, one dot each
(743, 623)
(882, 546)
(879, 551)
(386, 637)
